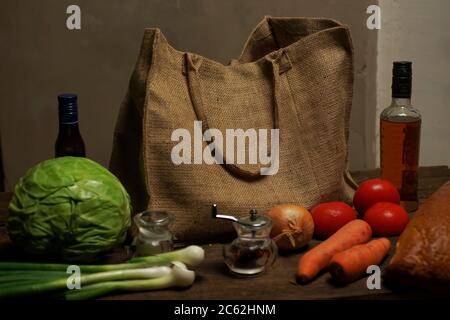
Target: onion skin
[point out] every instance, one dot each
(293, 226)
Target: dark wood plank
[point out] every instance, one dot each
(214, 281)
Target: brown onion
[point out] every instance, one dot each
(293, 226)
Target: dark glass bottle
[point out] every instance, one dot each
(69, 141)
(400, 125)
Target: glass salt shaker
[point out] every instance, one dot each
(154, 235)
(253, 252)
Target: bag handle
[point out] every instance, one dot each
(279, 62)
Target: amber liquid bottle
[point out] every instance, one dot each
(400, 125)
(69, 141)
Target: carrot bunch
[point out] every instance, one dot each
(347, 254)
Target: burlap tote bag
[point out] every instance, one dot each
(294, 74)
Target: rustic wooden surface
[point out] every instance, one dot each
(213, 280)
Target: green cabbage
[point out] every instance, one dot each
(69, 207)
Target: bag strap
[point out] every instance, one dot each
(279, 62)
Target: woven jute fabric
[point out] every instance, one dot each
(295, 74)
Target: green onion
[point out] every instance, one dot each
(180, 276)
(61, 283)
(191, 256)
(144, 273)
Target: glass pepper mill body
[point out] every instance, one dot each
(154, 235)
(253, 252)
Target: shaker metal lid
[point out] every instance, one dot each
(252, 221)
(255, 221)
(153, 218)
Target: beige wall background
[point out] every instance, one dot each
(419, 31)
(41, 58)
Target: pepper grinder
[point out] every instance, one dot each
(253, 251)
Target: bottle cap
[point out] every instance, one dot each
(68, 110)
(402, 69)
(402, 79)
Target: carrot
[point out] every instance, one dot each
(349, 265)
(312, 262)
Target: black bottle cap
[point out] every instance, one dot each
(402, 79)
(68, 110)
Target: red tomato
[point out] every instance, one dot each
(373, 191)
(386, 219)
(331, 216)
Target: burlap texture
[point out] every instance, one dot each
(295, 74)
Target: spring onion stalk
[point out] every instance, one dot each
(179, 276)
(146, 273)
(191, 256)
(15, 290)
(29, 272)
(16, 277)
(9, 274)
(36, 276)
(7, 285)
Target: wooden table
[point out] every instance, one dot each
(214, 282)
